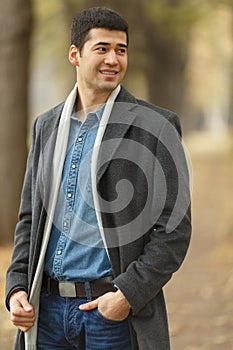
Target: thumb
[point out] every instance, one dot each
(89, 306)
(26, 305)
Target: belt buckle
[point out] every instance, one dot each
(67, 289)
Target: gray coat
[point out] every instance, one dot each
(143, 178)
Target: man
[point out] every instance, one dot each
(105, 211)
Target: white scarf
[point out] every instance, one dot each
(57, 167)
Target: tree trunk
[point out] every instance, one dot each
(165, 67)
(15, 26)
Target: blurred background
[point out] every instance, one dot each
(180, 57)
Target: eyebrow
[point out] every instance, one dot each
(108, 44)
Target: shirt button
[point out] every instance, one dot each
(80, 139)
(59, 252)
(65, 223)
(73, 166)
(69, 195)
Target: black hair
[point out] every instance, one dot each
(95, 17)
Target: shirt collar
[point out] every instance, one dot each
(98, 113)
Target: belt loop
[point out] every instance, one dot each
(88, 291)
(48, 285)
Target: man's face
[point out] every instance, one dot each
(103, 60)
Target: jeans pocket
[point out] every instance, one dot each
(107, 320)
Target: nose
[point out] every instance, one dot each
(111, 58)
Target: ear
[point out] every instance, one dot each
(74, 55)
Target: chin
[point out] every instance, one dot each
(110, 86)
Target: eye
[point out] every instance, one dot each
(101, 49)
(121, 51)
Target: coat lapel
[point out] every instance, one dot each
(48, 140)
(120, 120)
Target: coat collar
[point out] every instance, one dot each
(122, 113)
(121, 118)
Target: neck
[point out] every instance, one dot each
(90, 100)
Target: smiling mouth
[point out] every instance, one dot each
(108, 73)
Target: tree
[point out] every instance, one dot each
(166, 28)
(15, 29)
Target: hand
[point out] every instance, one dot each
(112, 305)
(22, 313)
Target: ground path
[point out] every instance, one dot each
(200, 296)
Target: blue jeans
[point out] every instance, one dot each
(63, 326)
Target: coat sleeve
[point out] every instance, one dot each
(167, 241)
(17, 273)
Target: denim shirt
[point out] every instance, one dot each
(75, 250)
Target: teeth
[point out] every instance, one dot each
(109, 73)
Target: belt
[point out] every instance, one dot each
(94, 288)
